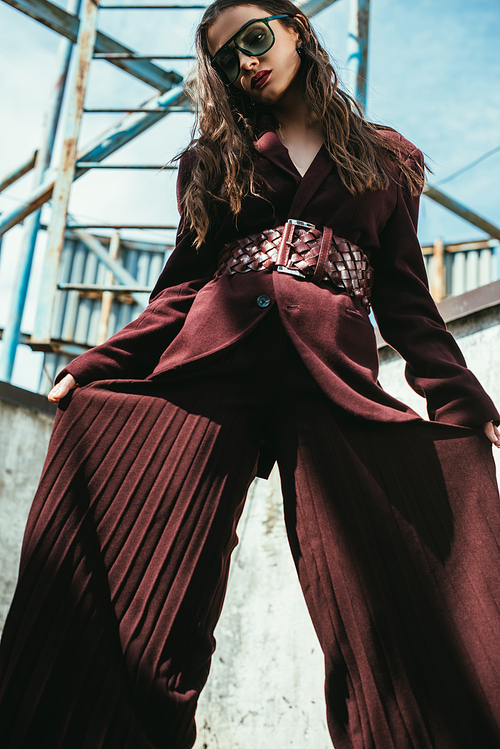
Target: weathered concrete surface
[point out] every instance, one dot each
(24, 436)
(478, 336)
(266, 684)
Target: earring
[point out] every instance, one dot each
(300, 50)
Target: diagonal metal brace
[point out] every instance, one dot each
(120, 134)
(67, 25)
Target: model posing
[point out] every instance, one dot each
(257, 346)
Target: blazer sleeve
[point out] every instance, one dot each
(409, 321)
(134, 351)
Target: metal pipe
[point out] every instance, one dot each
(153, 7)
(311, 7)
(460, 210)
(172, 227)
(64, 23)
(104, 288)
(357, 49)
(119, 271)
(12, 328)
(107, 296)
(106, 144)
(134, 56)
(129, 110)
(97, 165)
(19, 172)
(60, 198)
(438, 280)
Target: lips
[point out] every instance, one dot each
(260, 78)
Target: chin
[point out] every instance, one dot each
(267, 98)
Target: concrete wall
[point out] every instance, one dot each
(478, 335)
(266, 683)
(24, 436)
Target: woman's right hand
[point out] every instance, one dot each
(62, 388)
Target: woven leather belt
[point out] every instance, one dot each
(302, 250)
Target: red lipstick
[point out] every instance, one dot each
(260, 78)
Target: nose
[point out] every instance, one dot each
(247, 62)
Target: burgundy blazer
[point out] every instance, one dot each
(191, 316)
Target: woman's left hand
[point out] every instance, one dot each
(492, 432)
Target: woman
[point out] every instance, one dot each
(257, 347)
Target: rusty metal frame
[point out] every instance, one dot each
(99, 149)
(357, 49)
(87, 32)
(67, 25)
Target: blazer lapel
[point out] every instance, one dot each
(319, 169)
(270, 146)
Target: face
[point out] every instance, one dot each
(265, 78)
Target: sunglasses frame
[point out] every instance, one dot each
(241, 49)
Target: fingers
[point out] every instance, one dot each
(62, 388)
(492, 432)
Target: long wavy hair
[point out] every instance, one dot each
(226, 122)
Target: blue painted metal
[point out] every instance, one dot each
(113, 139)
(93, 225)
(87, 31)
(96, 165)
(153, 7)
(64, 23)
(12, 328)
(121, 273)
(311, 7)
(357, 49)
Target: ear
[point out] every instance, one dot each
(303, 27)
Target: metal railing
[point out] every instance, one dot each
(90, 305)
(456, 268)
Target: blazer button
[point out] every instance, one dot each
(263, 301)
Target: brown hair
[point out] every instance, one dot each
(225, 128)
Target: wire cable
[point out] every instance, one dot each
(469, 166)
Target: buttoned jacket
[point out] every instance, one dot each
(192, 317)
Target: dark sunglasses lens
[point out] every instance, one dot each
(256, 38)
(227, 65)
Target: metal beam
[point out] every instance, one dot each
(66, 24)
(19, 172)
(312, 7)
(94, 225)
(460, 210)
(12, 330)
(113, 139)
(96, 165)
(357, 49)
(101, 287)
(66, 174)
(116, 267)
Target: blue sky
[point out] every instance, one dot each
(434, 75)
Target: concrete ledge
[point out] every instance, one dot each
(456, 307)
(20, 397)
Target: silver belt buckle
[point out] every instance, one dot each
(284, 268)
(290, 271)
(302, 224)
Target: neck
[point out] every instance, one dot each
(291, 113)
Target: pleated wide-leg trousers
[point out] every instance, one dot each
(394, 529)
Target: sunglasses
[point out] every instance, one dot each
(253, 39)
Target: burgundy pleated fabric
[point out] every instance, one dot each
(394, 530)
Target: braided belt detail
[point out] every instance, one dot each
(312, 255)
